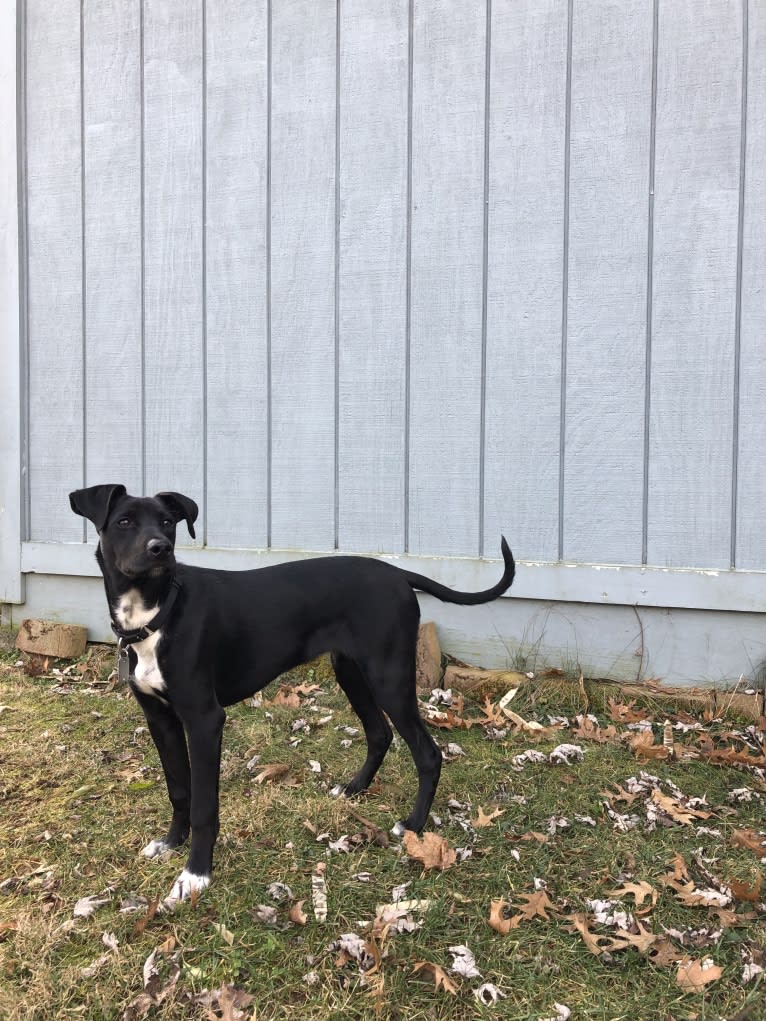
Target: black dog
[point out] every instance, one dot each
(193, 640)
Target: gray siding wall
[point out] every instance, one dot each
(398, 277)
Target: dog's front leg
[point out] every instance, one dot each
(204, 730)
(170, 740)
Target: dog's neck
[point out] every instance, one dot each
(152, 591)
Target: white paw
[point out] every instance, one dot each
(398, 829)
(155, 848)
(338, 790)
(187, 884)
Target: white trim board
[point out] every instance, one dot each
(625, 643)
(740, 591)
(11, 588)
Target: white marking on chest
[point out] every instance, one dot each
(132, 613)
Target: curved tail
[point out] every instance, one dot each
(448, 595)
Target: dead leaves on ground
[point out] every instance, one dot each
(431, 850)
(439, 976)
(612, 926)
(692, 976)
(537, 905)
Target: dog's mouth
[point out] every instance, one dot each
(153, 569)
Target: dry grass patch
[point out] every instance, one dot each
(622, 880)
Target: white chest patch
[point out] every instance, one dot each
(131, 613)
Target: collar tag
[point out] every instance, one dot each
(123, 664)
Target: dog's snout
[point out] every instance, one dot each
(158, 547)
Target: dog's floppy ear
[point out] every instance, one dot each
(182, 508)
(95, 502)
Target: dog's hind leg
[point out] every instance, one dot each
(397, 695)
(376, 729)
(168, 735)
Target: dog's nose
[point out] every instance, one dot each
(158, 547)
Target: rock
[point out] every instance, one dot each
(49, 638)
(428, 658)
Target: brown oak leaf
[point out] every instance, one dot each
(484, 819)
(640, 891)
(431, 850)
(438, 974)
(693, 976)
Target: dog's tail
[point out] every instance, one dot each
(448, 595)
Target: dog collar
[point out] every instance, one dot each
(131, 637)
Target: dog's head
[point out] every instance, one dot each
(137, 534)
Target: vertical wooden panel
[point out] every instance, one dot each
(174, 368)
(55, 266)
(373, 285)
(526, 206)
(751, 477)
(237, 440)
(112, 118)
(695, 259)
(606, 320)
(446, 276)
(303, 274)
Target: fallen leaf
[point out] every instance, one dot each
(664, 953)
(432, 850)
(750, 839)
(229, 1000)
(673, 808)
(297, 913)
(695, 897)
(226, 935)
(590, 731)
(285, 696)
(90, 970)
(488, 994)
(483, 819)
(274, 771)
(141, 924)
(388, 914)
(264, 913)
(563, 1013)
(538, 905)
(644, 747)
(640, 891)
(622, 712)
(641, 940)
(592, 940)
(438, 974)
(85, 906)
(541, 838)
(463, 962)
(743, 892)
(620, 795)
(693, 976)
(499, 918)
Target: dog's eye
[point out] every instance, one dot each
(167, 521)
(124, 522)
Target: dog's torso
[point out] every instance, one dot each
(231, 622)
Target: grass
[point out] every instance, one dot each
(81, 792)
